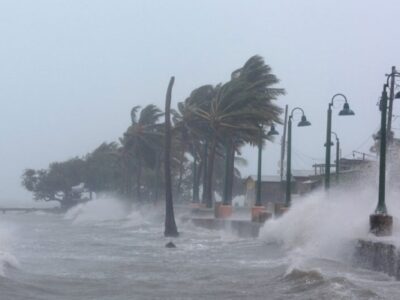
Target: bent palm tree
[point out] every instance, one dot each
(170, 225)
(237, 109)
(188, 129)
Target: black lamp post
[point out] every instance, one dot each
(271, 132)
(380, 222)
(346, 111)
(381, 208)
(392, 76)
(302, 123)
(337, 156)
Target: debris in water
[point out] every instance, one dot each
(170, 245)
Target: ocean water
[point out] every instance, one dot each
(102, 250)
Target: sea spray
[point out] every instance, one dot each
(135, 218)
(7, 235)
(102, 209)
(323, 226)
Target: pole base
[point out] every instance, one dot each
(380, 224)
(259, 214)
(280, 209)
(197, 205)
(223, 211)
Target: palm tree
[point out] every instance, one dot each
(142, 139)
(187, 130)
(237, 109)
(170, 225)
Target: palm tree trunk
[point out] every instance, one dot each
(195, 180)
(170, 225)
(157, 178)
(231, 173)
(127, 183)
(210, 171)
(179, 185)
(205, 173)
(138, 180)
(226, 174)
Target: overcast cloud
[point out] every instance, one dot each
(70, 71)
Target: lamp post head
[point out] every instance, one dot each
(272, 131)
(304, 122)
(346, 111)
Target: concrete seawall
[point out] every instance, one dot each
(378, 256)
(241, 228)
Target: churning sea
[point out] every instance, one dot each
(99, 251)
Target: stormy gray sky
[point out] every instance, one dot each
(71, 70)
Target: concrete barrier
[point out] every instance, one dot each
(241, 228)
(378, 256)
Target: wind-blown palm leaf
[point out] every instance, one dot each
(239, 107)
(133, 114)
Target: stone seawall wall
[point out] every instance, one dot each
(378, 256)
(240, 228)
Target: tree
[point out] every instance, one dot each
(55, 183)
(102, 170)
(189, 132)
(170, 225)
(237, 109)
(142, 140)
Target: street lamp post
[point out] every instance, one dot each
(392, 77)
(258, 207)
(346, 111)
(302, 123)
(337, 155)
(271, 132)
(380, 222)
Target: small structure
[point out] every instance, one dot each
(273, 189)
(305, 181)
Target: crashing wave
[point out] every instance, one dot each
(103, 209)
(7, 261)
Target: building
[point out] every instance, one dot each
(273, 190)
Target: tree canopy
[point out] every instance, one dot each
(208, 127)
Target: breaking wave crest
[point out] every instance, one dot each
(102, 209)
(135, 218)
(311, 276)
(7, 260)
(322, 226)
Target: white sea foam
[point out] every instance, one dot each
(102, 209)
(6, 258)
(322, 225)
(135, 218)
